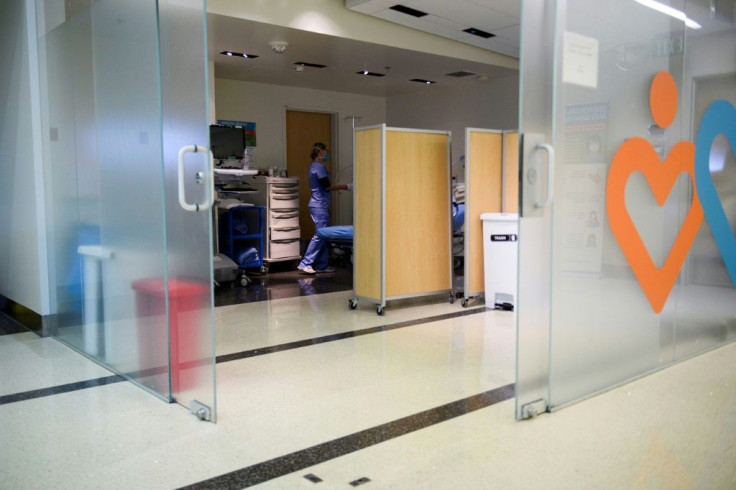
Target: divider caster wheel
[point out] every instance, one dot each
(353, 303)
(464, 303)
(244, 281)
(380, 310)
(452, 298)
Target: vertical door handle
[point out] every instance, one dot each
(202, 177)
(550, 174)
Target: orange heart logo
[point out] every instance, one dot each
(637, 154)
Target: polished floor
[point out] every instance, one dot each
(311, 393)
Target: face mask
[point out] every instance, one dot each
(326, 158)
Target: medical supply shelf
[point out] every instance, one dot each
(241, 229)
(402, 220)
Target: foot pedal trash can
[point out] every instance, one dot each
(187, 301)
(500, 257)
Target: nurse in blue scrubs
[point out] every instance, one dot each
(315, 259)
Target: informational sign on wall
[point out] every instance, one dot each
(580, 60)
(583, 219)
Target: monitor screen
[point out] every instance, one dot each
(227, 141)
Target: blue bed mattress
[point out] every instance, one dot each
(341, 233)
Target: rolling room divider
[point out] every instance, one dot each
(491, 186)
(402, 222)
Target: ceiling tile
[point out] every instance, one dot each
(464, 12)
(508, 7)
(510, 32)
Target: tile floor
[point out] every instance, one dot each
(419, 398)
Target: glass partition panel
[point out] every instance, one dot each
(113, 136)
(188, 234)
(641, 227)
(102, 111)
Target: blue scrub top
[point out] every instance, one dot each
(320, 196)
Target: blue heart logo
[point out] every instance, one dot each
(719, 118)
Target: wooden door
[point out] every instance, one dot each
(303, 130)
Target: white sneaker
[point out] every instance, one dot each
(326, 270)
(307, 269)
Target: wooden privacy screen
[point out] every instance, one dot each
(403, 249)
(511, 172)
(417, 213)
(491, 186)
(367, 209)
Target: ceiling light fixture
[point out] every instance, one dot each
(671, 11)
(479, 33)
(239, 55)
(420, 80)
(369, 73)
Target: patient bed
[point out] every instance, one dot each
(340, 242)
(340, 238)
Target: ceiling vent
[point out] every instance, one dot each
(479, 33)
(310, 65)
(408, 11)
(460, 74)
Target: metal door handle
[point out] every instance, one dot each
(550, 174)
(206, 178)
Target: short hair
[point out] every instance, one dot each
(316, 148)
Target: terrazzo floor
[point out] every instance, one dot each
(419, 398)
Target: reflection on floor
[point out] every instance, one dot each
(283, 281)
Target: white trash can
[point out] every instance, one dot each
(500, 256)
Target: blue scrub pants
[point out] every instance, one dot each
(317, 254)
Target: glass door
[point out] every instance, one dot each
(628, 195)
(128, 182)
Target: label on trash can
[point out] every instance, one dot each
(503, 238)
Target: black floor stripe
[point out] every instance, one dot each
(345, 335)
(57, 390)
(299, 460)
(81, 385)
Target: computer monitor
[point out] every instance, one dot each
(227, 142)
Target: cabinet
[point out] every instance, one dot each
(280, 198)
(241, 235)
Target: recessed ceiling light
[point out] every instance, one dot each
(479, 33)
(369, 73)
(239, 55)
(420, 80)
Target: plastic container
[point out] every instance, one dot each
(500, 258)
(187, 301)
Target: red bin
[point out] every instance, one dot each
(186, 302)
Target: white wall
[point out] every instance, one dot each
(19, 270)
(492, 104)
(266, 105)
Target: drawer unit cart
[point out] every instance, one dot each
(402, 216)
(280, 198)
